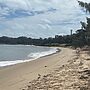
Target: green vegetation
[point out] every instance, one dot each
(85, 5)
(30, 41)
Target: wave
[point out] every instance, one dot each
(41, 54)
(32, 56)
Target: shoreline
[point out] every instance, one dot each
(17, 76)
(44, 54)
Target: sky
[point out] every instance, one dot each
(40, 18)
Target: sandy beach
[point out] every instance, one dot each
(73, 75)
(65, 70)
(17, 76)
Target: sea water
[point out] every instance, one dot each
(13, 54)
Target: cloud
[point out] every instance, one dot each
(12, 9)
(46, 21)
(15, 4)
(39, 18)
(38, 4)
(45, 26)
(28, 4)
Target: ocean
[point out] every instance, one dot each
(13, 54)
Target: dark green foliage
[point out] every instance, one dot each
(30, 41)
(85, 5)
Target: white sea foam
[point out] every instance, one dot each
(41, 54)
(33, 56)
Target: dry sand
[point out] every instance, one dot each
(18, 76)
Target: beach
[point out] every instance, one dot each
(73, 75)
(43, 49)
(65, 70)
(17, 76)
